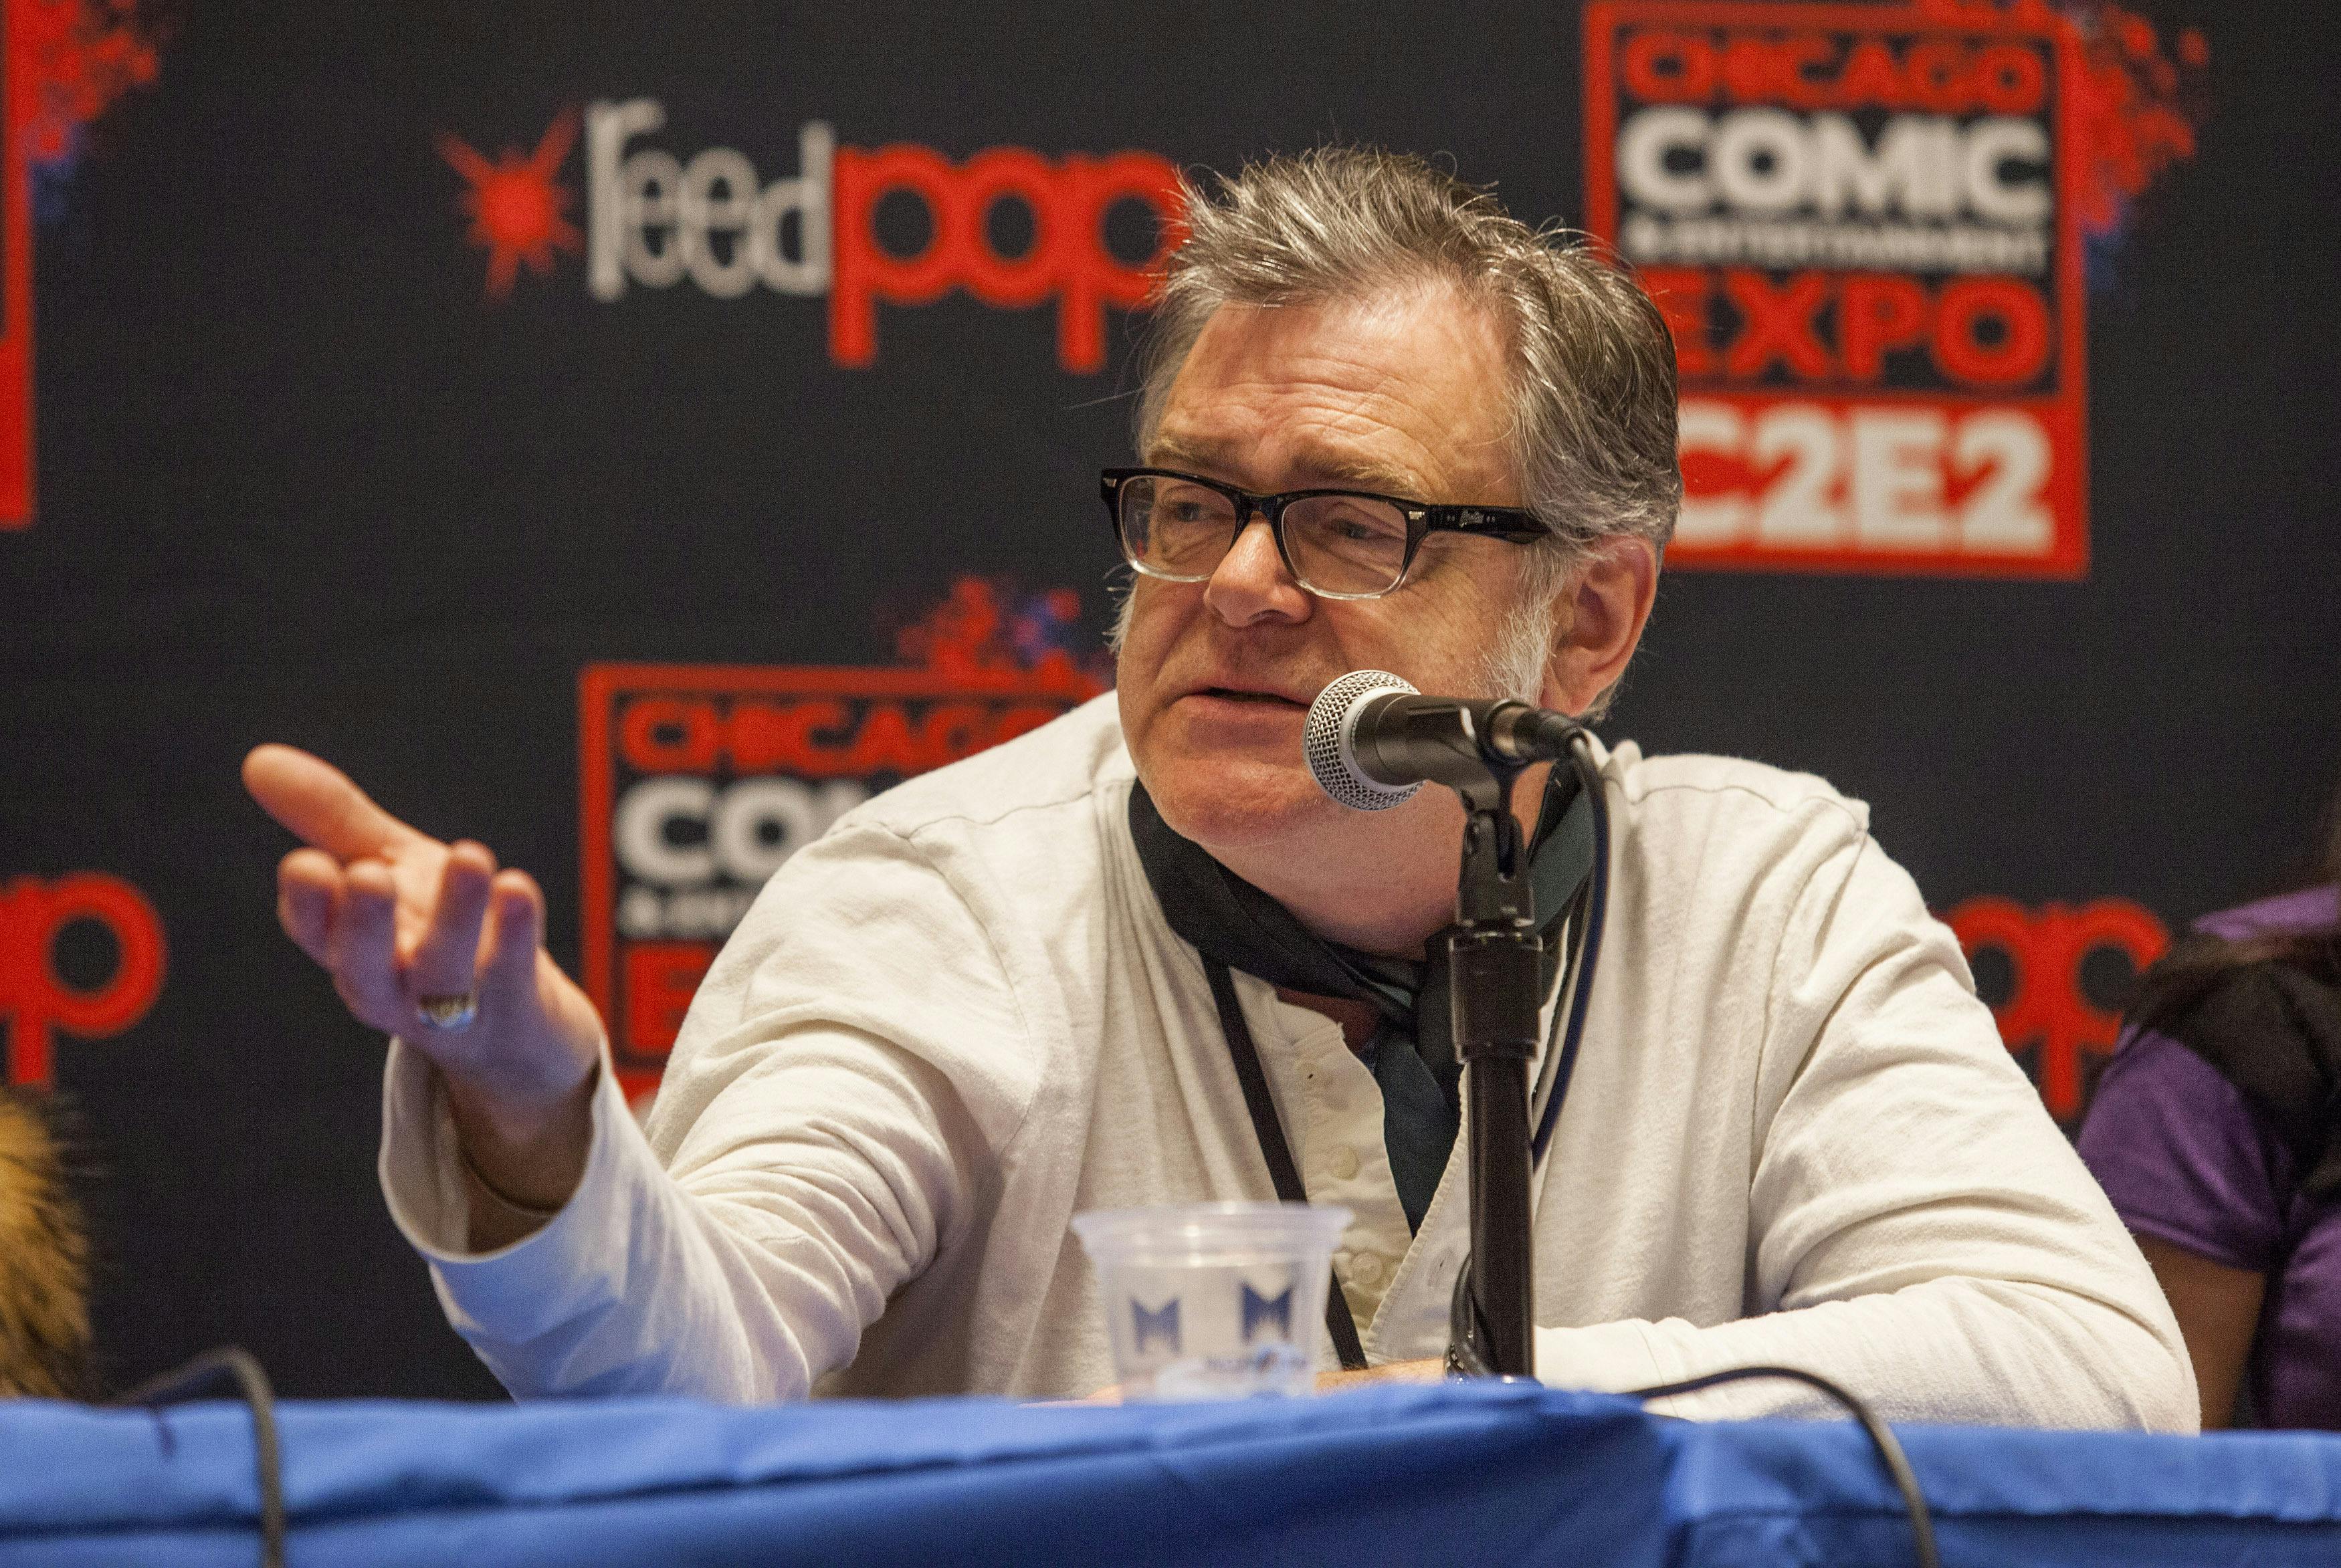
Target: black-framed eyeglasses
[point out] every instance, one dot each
(1336, 543)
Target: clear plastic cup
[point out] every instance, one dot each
(1213, 1300)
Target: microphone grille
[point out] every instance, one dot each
(1326, 742)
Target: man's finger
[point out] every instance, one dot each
(316, 802)
(365, 966)
(515, 930)
(308, 881)
(446, 958)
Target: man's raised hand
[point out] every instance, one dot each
(396, 917)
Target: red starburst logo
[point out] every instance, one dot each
(517, 209)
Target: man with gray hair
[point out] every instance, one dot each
(1384, 426)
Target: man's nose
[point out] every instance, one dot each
(1251, 584)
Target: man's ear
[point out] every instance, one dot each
(1599, 623)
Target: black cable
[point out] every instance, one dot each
(1881, 1438)
(1585, 954)
(235, 1363)
(1465, 1330)
(1549, 1077)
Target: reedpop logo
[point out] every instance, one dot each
(2047, 1018)
(653, 218)
(36, 999)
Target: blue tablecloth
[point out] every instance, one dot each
(1478, 1474)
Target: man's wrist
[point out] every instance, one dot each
(528, 1158)
(1428, 1370)
(512, 1207)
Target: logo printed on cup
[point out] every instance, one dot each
(1259, 1312)
(1161, 1323)
(1213, 1300)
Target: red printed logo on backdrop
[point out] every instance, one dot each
(519, 210)
(36, 1000)
(2048, 1014)
(656, 220)
(1865, 226)
(699, 781)
(62, 63)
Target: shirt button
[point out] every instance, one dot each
(1366, 1267)
(1344, 1164)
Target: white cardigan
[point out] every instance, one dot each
(959, 1019)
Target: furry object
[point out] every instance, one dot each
(44, 1261)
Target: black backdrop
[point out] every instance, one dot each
(298, 476)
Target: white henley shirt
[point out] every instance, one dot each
(959, 1019)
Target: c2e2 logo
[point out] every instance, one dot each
(1861, 223)
(699, 781)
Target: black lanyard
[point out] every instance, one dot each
(1275, 1151)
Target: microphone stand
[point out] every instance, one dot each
(1495, 992)
(1496, 974)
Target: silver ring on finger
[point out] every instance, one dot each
(448, 1015)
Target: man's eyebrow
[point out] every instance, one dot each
(1323, 468)
(1169, 452)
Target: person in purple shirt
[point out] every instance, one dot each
(2216, 1132)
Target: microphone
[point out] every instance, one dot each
(1372, 739)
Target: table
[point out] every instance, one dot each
(1482, 1474)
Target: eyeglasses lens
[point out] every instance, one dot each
(1346, 543)
(1174, 529)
